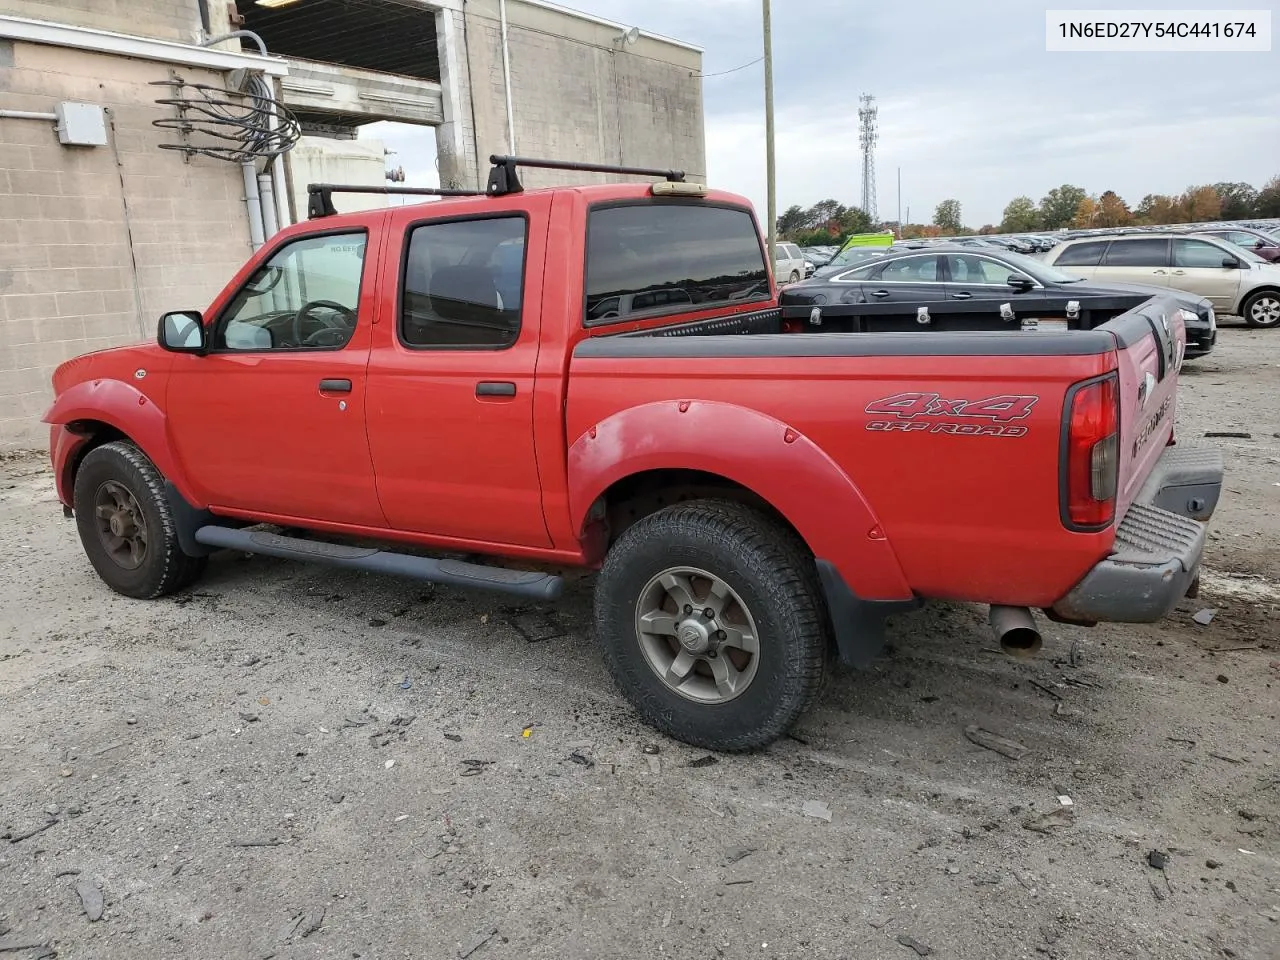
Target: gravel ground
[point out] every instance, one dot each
(293, 762)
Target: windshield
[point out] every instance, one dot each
(1037, 270)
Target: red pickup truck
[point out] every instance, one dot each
(599, 377)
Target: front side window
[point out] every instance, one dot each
(1196, 254)
(464, 284)
(653, 259)
(1152, 252)
(306, 296)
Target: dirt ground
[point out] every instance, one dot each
(299, 763)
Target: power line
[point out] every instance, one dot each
(722, 73)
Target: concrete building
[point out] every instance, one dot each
(102, 228)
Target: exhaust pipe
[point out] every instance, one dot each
(1016, 631)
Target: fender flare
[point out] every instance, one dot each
(774, 461)
(126, 408)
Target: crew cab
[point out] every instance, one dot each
(433, 391)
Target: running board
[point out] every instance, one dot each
(522, 583)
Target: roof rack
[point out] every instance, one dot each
(503, 178)
(320, 195)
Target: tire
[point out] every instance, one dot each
(1262, 309)
(795, 277)
(141, 560)
(774, 594)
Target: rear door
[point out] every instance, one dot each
(451, 373)
(1136, 260)
(1198, 268)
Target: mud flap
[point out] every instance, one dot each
(187, 519)
(858, 624)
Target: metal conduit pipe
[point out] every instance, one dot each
(506, 79)
(253, 203)
(269, 222)
(26, 115)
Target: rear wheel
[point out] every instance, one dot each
(795, 277)
(1262, 309)
(712, 623)
(125, 524)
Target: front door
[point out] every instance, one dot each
(451, 375)
(271, 420)
(905, 280)
(972, 276)
(1198, 268)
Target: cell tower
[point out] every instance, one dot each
(867, 111)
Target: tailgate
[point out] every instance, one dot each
(1151, 342)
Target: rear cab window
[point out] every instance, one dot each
(659, 258)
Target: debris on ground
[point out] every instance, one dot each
(455, 737)
(1223, 678)
(90, 899)
(995, 743)
(1157, 859)
(709, 760)
(1228, 435)
(313, 922)
(475, 767)
(1205, 616)
(581, 759)
(915, 945)
(651, 749)
(1213, 864)
(818, 809)
(479, 941)
(740, 854)
(1053, 820)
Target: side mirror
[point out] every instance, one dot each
(1231, 263)
(182, 331)
(1019, 282)
(1260, 244)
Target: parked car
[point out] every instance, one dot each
(1266, 245)
(1237, 281)
(961, 273)
(791, 266)
(752, 503)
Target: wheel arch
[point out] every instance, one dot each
(641, 455)
(1273, 289)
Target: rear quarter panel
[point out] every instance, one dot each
(956, 456)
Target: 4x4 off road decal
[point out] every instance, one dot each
(930, 412)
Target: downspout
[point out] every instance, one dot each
(253, 202)
(203, 6)
(506, 79)
(270, 223)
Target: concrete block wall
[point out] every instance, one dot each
(161, 19)
(576, 95)
(76, 273)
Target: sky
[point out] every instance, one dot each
(971, 106)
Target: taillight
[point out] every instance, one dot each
(1091, 451)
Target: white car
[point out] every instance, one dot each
(790, 265)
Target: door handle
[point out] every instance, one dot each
(962, 295)
(1179, 273)
(335, 386)
(879, 293)
(495, 388)
(1160, 272)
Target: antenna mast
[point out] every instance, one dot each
(867, 112)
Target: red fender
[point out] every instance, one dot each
(120, 405)
(777, 463)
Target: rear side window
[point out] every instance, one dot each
(463, 284)
(1082, 254)
(653, 259)
(1147, 252)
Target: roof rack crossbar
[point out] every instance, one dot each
(320, 195)
(503, 178)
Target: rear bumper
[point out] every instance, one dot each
(1156, 556)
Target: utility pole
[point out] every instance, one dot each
(770, 171)
(899, 203)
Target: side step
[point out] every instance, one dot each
(521, 583)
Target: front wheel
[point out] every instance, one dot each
(1262, 309)
(795, 277)
(125, 524)
(712, 624)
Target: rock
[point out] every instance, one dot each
(455, 737)
(248, 717)
(131, 721)
(1157, 859)
(818, 809)
(1231, 885)
(377, 622)
(709, 760)
(90, 898)
(52, 810)
(1205, 617)
(1222, 678)
(651, 749)
(915, 945)
(1213, 864)
(312, 924)
(337, 797)
(1246, 814)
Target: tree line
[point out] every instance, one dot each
(1067, 206)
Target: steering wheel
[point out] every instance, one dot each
(336, 335)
